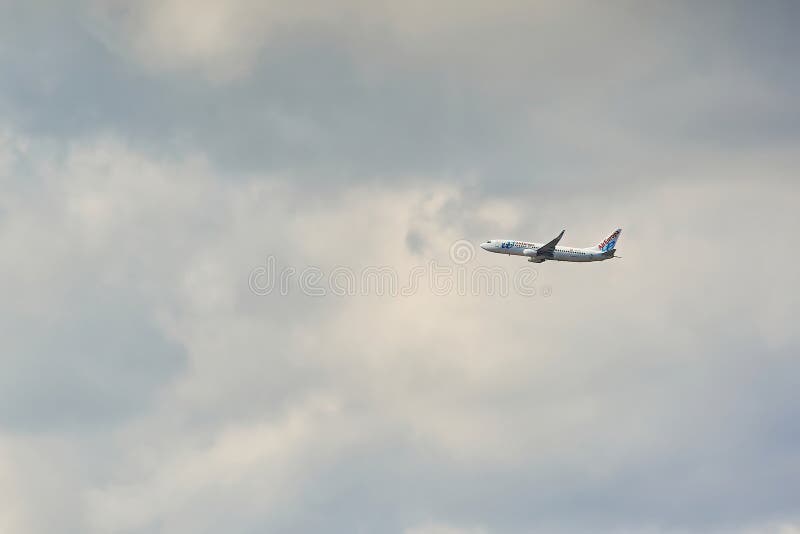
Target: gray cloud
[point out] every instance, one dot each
(560, 93)
(153, 154)
(101, 362)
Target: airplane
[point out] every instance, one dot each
(538, 252)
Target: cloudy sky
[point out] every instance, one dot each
(155, 154)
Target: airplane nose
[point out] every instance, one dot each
(485, 246)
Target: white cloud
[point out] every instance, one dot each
(257, 468)
(223, 41)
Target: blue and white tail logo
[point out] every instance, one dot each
(608, 243)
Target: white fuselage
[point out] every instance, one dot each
(524, 248)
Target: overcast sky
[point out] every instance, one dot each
(154, 154)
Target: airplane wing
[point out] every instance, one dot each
(549, 248)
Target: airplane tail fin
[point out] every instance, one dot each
(608, 243)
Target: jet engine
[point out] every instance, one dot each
(531, 253)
